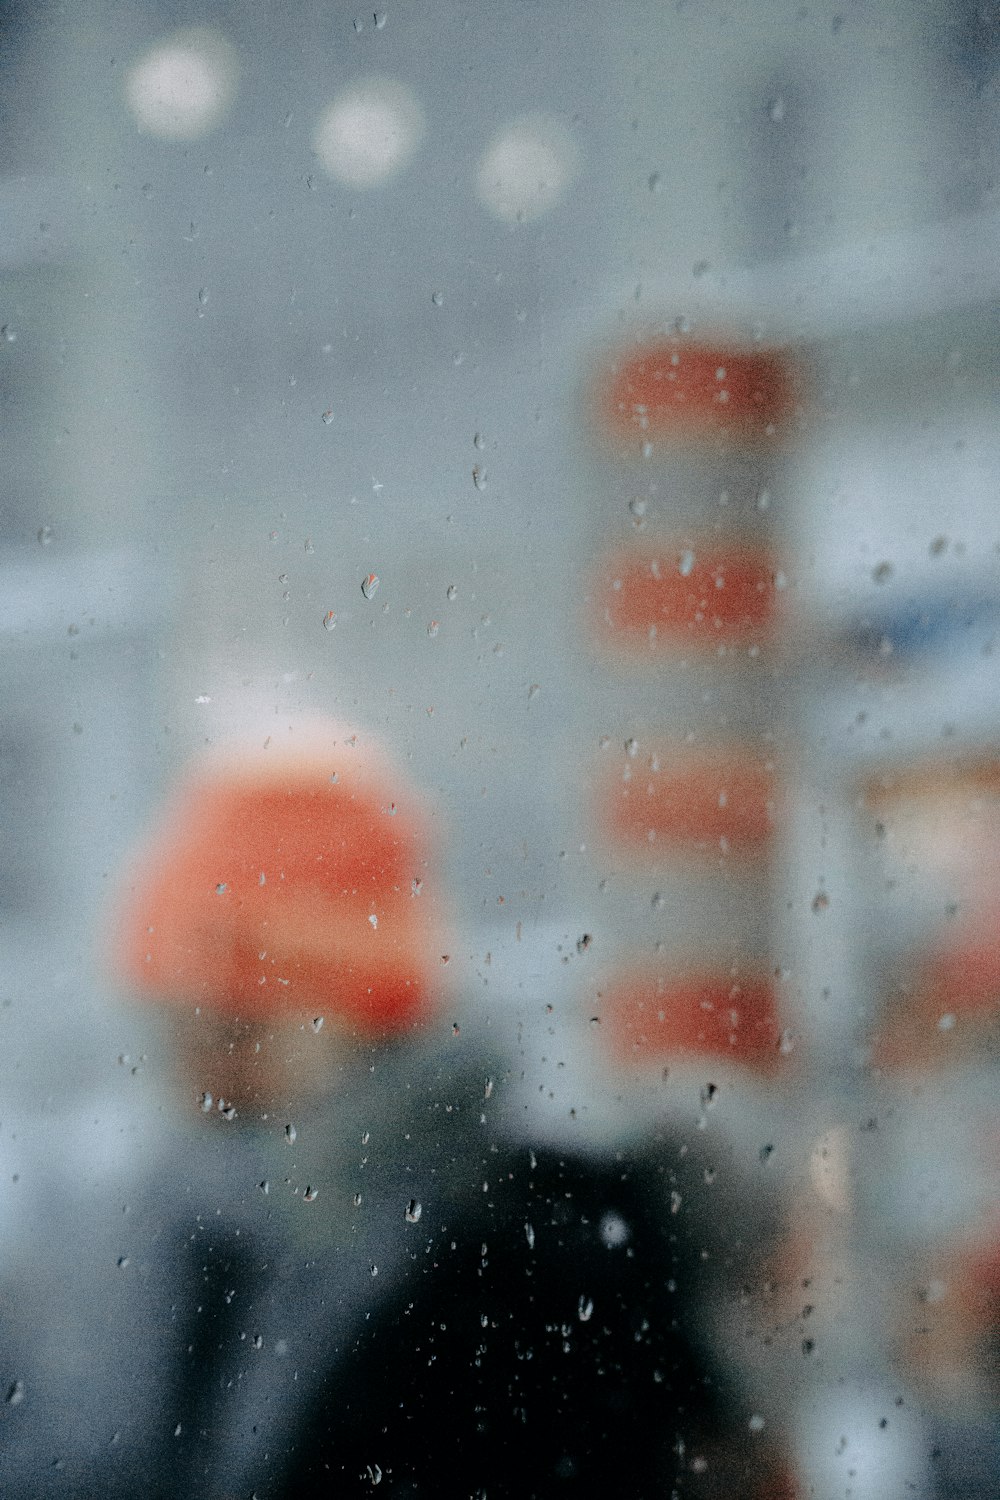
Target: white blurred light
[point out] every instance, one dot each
(183, 87)
(527, 168)
(369, 132)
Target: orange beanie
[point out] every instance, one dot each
(287, 881)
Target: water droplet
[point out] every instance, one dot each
(756, 1423)
(488, 1090)
(330, 620)
(265, 1187)
(365, 1137)
(373, 919)
(686, 563)
(786, 1043)
(479, 477)
(631, 748)
(416, 886)
(478, 441)
(317, 1024)
(655, 182)
(357, 1200)
(658, 903)
(206, 1103)
(613, 1230)
(291, 1134)
(310, 1195)
(529, 1234)
(372, 1470)
(8, 334)
(452, 593)
(203, 295)
(675, 1202)
(638, 507)
(45, 536)
(15, 1393)
(369, 586)
(820, 901)
(584, 1309)
(122, 1262)
(327, 416)
(413, 1211)
(776, 110)
(258, 1341)
(374, 1270)
(437, 298)
(221, 888)
(433, 627)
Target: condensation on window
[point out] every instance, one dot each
(500, 777)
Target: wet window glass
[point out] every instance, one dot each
(500, 762)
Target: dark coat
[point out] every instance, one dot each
(452, 1314)
(534, 1349)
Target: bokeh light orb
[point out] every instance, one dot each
(370, 132)
(527, 168)
(184, 86)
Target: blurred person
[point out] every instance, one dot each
(349, 1267)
